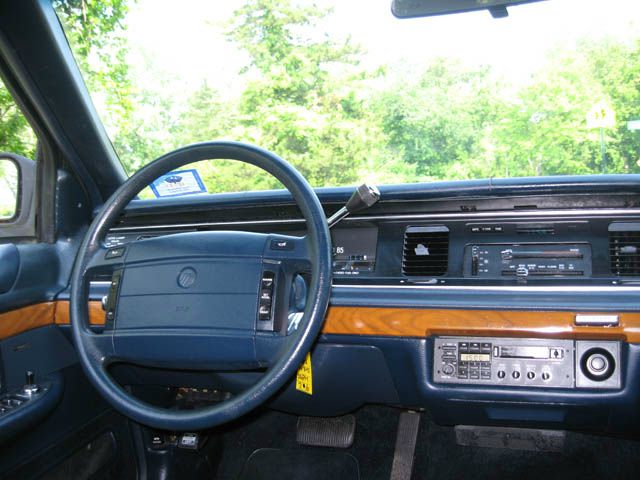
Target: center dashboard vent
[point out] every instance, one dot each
(624, 249)
(426, 251)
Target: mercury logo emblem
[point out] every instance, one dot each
(187, 277)
(421, 250)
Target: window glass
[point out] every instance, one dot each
(346, 92)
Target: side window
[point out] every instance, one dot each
(18, 145)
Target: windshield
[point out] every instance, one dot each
(347, 92)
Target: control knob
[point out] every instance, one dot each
(448, 369)
(597, 364)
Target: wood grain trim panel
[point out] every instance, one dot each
(26, 318)
(406, 322)
(390, 322)
(96, 314)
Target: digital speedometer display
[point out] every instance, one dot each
(354, 250)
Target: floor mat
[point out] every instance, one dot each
(270, 463)
(583, 457)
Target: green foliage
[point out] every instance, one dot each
(16, 135)
(440, 123)
(298, 103)
(545, 133)
(96, 31)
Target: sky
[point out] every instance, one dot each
(183, 42)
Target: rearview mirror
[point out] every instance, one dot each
(427, 8)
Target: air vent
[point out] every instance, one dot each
(624, 249)
(426, 251)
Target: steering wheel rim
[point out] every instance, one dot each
(319, 244)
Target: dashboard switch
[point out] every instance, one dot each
(281, 245)
(266, 300)
(474, 265)
(116, 252)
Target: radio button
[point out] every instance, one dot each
(546, 376)
(474, 374)
(556, 353)
(531, 375)
(516, 374)
(501, 374)
(486, 374)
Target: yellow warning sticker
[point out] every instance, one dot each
(304, 377)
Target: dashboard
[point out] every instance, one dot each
(509, 301)
(500, 241)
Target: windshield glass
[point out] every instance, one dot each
(347, 92)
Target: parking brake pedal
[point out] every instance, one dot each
(336, 432)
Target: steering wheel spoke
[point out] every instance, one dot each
(99, 348)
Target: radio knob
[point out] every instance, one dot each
(516, 374)
(546, 376)
(448, 369)
(531, 375)
(501, 374)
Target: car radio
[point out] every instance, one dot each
(527, 362)
(527, 260)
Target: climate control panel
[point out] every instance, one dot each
(527, 260)
(522, 362)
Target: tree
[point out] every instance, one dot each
(16, 135)
(299, 101)
(440, 124)
(96, 30)
(544, 131)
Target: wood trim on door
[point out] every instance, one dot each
(26, 318)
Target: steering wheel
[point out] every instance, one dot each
(212, 300)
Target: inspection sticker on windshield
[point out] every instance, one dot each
(180, 182)
(304, 377)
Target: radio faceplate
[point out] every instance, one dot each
(504, 361)
(527, 362)
(527, 260)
